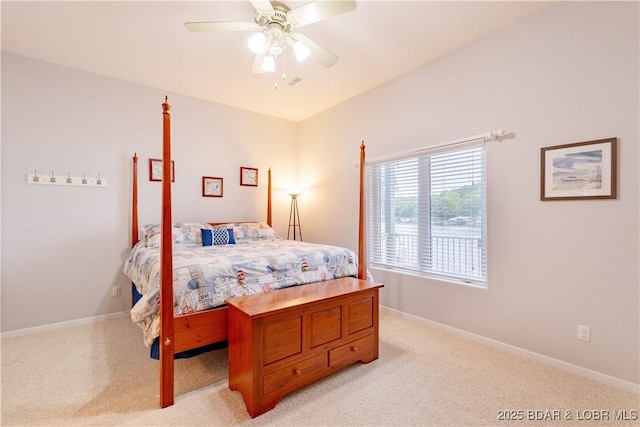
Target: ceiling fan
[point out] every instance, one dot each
(275, 27)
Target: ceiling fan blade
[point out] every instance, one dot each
(317, 11)
(263, 7)
(318, 53)
(257, 63)
(220, 26)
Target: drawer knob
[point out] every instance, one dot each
(354, 349)
(297, 372)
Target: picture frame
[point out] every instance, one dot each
(579, 171)
(155, 170)
(248, 176)
(212, 186)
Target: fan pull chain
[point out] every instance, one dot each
(284, 65)
(284, 74)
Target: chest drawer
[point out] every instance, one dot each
(302, 372)
(360, 349)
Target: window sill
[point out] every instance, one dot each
(431, 276)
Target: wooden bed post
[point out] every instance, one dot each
(362, 267)
(166, 274)
(134, 212)
(135, 236)
(269, 197)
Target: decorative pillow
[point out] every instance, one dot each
(250, 231)
(191, 232)
(149, 230)
(182, 233)
(217, 236)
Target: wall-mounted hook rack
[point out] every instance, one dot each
(65, 180)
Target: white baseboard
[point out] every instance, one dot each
(60, 325)
(556, 363)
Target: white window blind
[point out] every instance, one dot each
(427, 214)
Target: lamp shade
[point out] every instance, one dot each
(268, 64)
(257, 43)
(301, 51)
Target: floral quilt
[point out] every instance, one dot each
(205, 276)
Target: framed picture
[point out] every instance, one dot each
(155, 170)
(211, 186)
(249, 176)
(583, 170)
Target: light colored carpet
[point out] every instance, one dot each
(100, 375)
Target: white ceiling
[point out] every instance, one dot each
(145, 42)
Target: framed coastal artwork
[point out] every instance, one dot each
(248, 176)
(582, 170)
(211, 186)
(155, 170)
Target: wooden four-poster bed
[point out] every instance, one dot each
(184, 332)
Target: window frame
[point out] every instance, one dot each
(381, 213)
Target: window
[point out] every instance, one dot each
(427, 215)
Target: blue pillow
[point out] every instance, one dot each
(217, 236)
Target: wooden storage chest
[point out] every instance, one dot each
(283, 340)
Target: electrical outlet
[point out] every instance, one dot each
(584, 333)
(115, 291)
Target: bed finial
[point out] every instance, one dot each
(165, 105)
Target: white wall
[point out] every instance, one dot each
(63, 247)
(567, 74)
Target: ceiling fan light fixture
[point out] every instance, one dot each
(275, 49)
(272, 30)
(268, 64)
(301, 51)
(257, 43)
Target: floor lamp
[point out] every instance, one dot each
(294, 218)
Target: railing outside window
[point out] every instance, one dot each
(461, 256)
